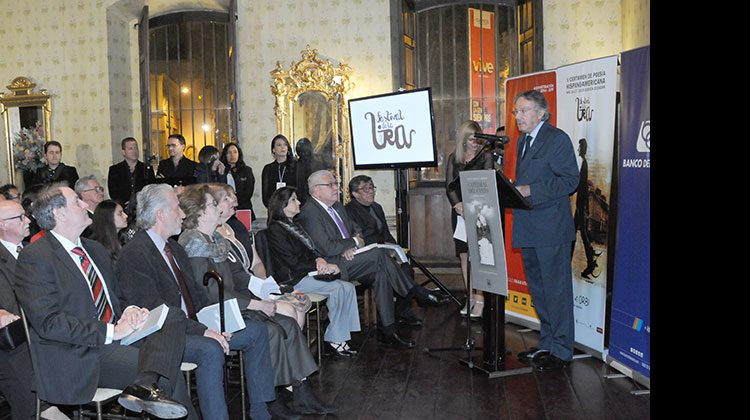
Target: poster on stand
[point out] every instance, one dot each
(630, 326)
(586, 94)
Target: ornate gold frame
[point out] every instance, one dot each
(22, 96)
(313, 74)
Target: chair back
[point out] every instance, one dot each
(264, 250)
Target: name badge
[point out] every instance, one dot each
(280, 185)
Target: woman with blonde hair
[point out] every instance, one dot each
(469, 155)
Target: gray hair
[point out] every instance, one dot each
(538, 98)
(316, 176)
(48, 200)
(150, 199)
(83, 184)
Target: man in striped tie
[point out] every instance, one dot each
(67, 287)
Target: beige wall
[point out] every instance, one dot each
(636, 24)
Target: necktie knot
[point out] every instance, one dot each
(19, 248)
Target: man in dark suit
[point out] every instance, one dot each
(547, 174)
(337, 238)
(55, 170)
(176, 165)
(148, 278)
(370, 217)
(70, 294)
(129, 176)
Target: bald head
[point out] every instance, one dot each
(14, 225)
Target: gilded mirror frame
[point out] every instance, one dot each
(22, 95)
(313, 74)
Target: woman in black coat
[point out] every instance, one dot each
(241, 175)
(282, 172)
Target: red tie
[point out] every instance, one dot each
(103, 309)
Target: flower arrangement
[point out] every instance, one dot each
(28, 147)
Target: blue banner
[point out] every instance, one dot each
(630, 328)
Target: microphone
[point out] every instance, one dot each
(492, 139)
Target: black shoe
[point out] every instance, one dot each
(342, 350)
(279, 410)
(410, 320)
(137, 398)
(531, 354)
(395, 341)
(304, 401)
(430, 299)
(549, 362)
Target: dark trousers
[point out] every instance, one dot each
(377, 268)
(15, 382)
(550, 279)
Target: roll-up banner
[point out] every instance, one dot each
(630, 327)
(586, 94)
(483, 81)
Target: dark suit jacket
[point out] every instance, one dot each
(361, 216)
(66, 336)
(147, 281)
(63, 172)
(118, 180)
(185, 168)
(552, 173)
(323, 230)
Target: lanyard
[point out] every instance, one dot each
(281, 173)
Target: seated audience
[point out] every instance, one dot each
(55, 170)
(130, 175)
(154, 270)
(294, 255)
(336, 238)
(108, 219)
(75, 331)
(10, 192)
(208, 250)
(15, 365)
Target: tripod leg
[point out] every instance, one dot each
(431, 278)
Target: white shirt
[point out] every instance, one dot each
(533, 134)
(160, 242)
(77, 261)
(12, 248)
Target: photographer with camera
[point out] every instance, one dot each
(209, 167)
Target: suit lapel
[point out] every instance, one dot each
(66, 261)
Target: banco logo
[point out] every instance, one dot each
(643, 143)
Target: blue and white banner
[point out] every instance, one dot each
(586, 94)
(630, 328)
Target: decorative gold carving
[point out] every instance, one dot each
(22, 96)
(314, 74)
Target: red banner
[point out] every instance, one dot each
(483, 82)
(519, 299)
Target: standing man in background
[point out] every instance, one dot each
(546, 174)
(129, 176)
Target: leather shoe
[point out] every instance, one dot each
(279, 410)
(410, 320)
(431, 299)
(395, 341)
(531, 354)
(137, 398)
(304, 401)
(342, 350)
(549, 362)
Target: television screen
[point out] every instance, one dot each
(393, 130)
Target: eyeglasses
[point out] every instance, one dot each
(522, 111)
(368, 188)
(19, 217)
(97, 189)
(330, 185)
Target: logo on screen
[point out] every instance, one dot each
(643, 144)
(387, 130)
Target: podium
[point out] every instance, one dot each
(486, 196)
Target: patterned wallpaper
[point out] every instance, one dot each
(356, 32)
(62, 47)
(579, 30)
(636, 24)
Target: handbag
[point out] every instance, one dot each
(301, 302)
(12, 335)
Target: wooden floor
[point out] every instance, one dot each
(385, 383)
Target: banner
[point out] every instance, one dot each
(482, 82)
(586, 94)
(518, 302)
(630, 327)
